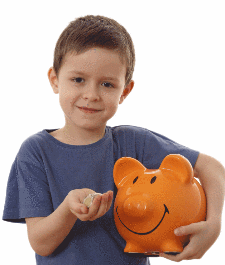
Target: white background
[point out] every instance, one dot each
(178, 92)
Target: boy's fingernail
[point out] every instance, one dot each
(177, 232)
(99, 198)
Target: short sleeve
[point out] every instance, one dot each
(157, 147)
(28, 193)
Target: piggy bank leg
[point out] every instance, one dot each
(172, 247)
(133, 248)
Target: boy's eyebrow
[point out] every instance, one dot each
(105, 77)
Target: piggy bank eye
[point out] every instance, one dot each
(135, 180)
(153, 179)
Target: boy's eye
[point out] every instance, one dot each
(78, 80)
(108, 84)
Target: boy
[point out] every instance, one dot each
(55, 170)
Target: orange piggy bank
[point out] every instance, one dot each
(151, 203)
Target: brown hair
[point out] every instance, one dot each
(95, 31)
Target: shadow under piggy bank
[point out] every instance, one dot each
(151, 203)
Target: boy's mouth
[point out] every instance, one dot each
(88, 110)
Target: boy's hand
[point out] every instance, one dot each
(101, 204)
(203, 235)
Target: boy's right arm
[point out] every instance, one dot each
(45, 234)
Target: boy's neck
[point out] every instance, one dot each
(76, 137)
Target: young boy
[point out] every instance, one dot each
(55, 170)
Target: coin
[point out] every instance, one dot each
(89, 199)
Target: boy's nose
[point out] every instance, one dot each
(91, 94)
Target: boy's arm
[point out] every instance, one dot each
(211, 174)
(204, 234)
(47, 233)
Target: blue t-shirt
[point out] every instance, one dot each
(45, 170)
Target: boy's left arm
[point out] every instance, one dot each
(211, 174)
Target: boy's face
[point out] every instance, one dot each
(92, 87)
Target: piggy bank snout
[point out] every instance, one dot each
(137, 207)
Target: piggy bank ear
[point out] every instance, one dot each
(123, 167)
(179, 167)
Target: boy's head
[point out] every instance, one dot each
(91, 31)
(93, 66)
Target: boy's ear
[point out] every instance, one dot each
(53, 80)
(126, 91)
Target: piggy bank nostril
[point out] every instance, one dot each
(141, 206)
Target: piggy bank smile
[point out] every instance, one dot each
(166, 211)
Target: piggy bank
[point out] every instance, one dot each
(151, 203)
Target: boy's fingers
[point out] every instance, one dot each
(101, 210)
(104, 206)
(100, 205)
(110, 199)
(79, 209)
(90, 213)
(93, 210)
